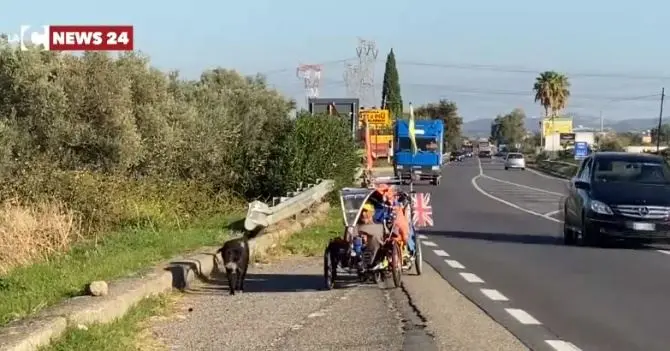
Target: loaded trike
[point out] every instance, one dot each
(379, 239)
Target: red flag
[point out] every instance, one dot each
(422, 214)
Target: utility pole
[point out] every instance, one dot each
(602, 124)
(660, 122)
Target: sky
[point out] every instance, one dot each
(440, 46)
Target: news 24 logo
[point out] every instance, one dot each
(75, 38)
(33, 36)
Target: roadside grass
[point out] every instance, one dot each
(124, 334)
(130, 332)
(29, 289)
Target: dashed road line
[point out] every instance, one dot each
(471, 278)
(441, 253)
(560, 345)
(522, 316)
(421, 236)
(494, 294)
(518, 314)
(666, 252)
(454, 264)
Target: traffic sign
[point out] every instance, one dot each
(581, 150)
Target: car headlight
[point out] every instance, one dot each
(399, 167)
(435, 168)
(601, 208)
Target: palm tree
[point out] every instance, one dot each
(552, 91)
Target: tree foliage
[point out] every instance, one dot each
(448, 112)
(391, 95)
(121, 142)
(552, 91)
(509, 128)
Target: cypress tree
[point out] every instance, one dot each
(391, 89)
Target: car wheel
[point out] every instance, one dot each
(569, 236)
(507, 168)
(589, 236)
(523, 168)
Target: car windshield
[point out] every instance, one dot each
(517, 156)
(631, 171)
(423, 144)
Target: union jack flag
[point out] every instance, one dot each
(422, 211)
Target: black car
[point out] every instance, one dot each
(457, 156)
(484, 154)
(618, 195)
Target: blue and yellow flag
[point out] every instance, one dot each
(412, 129)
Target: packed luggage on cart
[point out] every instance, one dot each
(379, 239)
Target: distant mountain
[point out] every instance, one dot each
(482, 127)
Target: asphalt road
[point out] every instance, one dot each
(285, 308)
(497, 236)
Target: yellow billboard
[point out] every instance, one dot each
(555, 125)
(377, 118)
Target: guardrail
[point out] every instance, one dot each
(559, 169)
(262, 215)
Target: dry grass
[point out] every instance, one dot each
(34, 233)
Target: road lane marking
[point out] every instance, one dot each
(471, 278)
(522, 316)
(547, 175)
(522, 186)
(481, 191)
(441, 253)
(494, 295)
(560, 345)
(421, 236)
(552, 213)
(454, 264)
(429, 243)
(667, 252)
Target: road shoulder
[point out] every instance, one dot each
(455, 321)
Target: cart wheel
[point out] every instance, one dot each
(378, 277)
(329, 270)
(418, 256)
(437, 181)
(396, 264)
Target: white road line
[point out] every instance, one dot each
(547, 175)
(664, 252)
(471, 278)
(429, 243)
(522, 186)
(454, 264)
(560, 345)
(476, 186)
(421, 236)
(522, 316)
(494, 295)
(552, 213)
(441, 253)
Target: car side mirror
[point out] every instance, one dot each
(582, 185)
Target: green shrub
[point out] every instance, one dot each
(123, 144)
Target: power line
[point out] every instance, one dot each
(509, 69)
(468, 90)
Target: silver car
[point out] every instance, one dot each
(515, 160)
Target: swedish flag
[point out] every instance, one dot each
(412, 129)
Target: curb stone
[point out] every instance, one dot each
(36, 331)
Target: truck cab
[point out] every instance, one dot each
(426, 164)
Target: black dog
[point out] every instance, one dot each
(235, 255)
